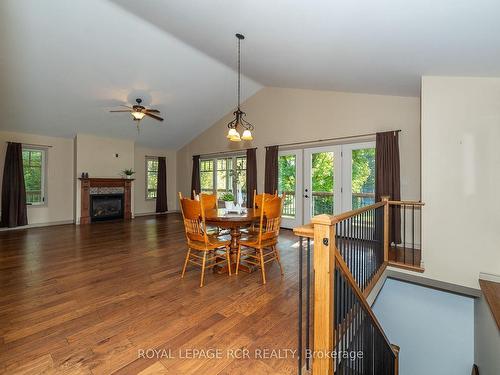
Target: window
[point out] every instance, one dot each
(287, 183)
(151, 177)
(34, 165)
(363, 177)
(207, 176)
(223, 175)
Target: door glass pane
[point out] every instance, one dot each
(207, 176)
(287, 182)
(363, 177)
(322, 183)
(224, 176)
(240, 176)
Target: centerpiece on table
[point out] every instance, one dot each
(228, 199)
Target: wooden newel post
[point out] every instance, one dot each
(324, 273)
(385, 199)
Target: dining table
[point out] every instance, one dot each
(233, 221)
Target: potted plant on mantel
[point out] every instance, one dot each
(128, 173)
(228, 199)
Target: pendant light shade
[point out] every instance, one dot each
(247, 135)
(239, 121)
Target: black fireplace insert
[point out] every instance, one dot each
(106, 207)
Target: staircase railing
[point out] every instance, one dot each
(340, 333)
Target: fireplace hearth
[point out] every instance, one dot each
(106, 207)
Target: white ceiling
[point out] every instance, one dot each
(369, 46)
(64, 63)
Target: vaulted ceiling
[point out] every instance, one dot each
(64, 64)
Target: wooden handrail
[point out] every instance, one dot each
(348, 214)
(408, 203)
(304, 231)
(359, 294)
(327, 259)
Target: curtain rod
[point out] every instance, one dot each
(31, 144)
(329, 139)
(228, 152)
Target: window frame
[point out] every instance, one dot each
(215, 170)
(43, 173)
(146, 175)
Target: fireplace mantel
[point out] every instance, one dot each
(88, 183)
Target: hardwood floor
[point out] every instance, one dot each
(93, 299)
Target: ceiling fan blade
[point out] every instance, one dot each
(152, 110)
(126, 106)
(122, 110)
(153, 116)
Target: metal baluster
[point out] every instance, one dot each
(404, 233)
(413, 234)
(308, 299)
(300, 308)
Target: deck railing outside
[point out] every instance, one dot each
(323, 202)
(350, 252)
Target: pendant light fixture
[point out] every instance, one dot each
(239, 122)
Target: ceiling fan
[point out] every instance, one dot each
(138, 111)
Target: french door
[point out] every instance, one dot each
(290, 183)
(322, 181)
(326, 180)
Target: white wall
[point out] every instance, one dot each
(59, 206)
(434, 329)
(143, 206)
(97, 156)
(461, 178)
(295, 115)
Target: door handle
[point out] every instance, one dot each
(306, 196)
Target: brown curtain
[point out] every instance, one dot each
(271, 172)
(161, 186)
(195, 178)
(14, 211)
(251, 175)
(387, 182)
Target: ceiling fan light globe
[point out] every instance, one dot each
(247, 135)
(137, 115)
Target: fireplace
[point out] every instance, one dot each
(106, 207)
(116, 192)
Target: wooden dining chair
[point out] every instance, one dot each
(198, 240)
(209, 202)
(257, 198)
(262, 249)
(257, 203)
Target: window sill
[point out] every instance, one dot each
(150, 199)
(40, 205)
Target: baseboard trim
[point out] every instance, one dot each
(39, 225)
(432, 283)
(156, 213)
(489, 277)
(372, 297)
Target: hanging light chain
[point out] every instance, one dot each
(233, 134)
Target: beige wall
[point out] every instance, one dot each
(143, 206)
(97, 156)
(68, 158)
(59, 205)
(460, 178)
(291, 115)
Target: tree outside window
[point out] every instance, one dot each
(34, 175)
(151, 177)
(223, 175)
